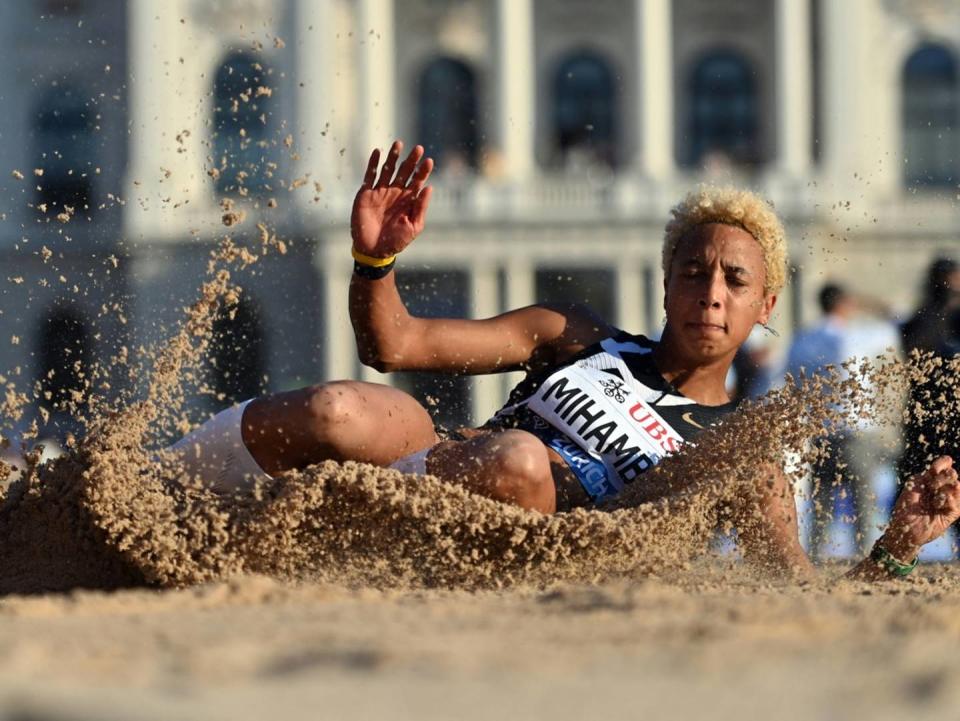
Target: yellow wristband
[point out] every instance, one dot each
(370, 260)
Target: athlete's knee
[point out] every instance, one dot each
(332, 410)
(521, 470)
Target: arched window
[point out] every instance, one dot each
(930, 107)
(63, 148)
(585, 110)
(63, 350)
(242, 97)
(447, 103)
(237, 360)
(723, 110)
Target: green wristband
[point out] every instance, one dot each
(883, 558)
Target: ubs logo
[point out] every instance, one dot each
(661, 434)
(614, 389)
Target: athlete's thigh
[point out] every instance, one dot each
(341, 420)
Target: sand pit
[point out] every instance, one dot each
(631, 649)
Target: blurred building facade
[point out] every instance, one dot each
(563, 131)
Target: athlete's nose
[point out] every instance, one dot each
(711, 293)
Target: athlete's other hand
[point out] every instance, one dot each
(927, 507)
(389, 211)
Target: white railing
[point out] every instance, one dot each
(588, 197)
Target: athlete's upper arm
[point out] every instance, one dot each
(531, 336)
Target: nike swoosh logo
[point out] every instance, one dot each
(688, 417)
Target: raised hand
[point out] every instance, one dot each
(928, 505)
(389, 212)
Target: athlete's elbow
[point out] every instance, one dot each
(374, 360)
(380, 361)
(382, 366)
(389, 353)
(386, 350)
(373, 352)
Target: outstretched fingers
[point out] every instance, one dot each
(370, 175)
(390, 164)
(407, 167)
(421, 176)
(418, 215)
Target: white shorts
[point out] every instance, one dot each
(415, 463)
(215, 453)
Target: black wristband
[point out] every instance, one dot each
(370, 272)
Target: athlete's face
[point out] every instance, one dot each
(714, 294)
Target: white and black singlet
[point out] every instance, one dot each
(607, 412)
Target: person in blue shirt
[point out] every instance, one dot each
(815, 351)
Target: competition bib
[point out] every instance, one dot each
(607, 422)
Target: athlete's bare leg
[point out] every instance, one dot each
(512, 466)
(371, 423)
(339, 421)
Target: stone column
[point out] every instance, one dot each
(487, 391)
(520, 291)
(316, 103)
(794, 73)
(631, 301)
(859, 86)
(340, 348)
(515, 86)
(376, 111)
(158, 111)
(654, 36)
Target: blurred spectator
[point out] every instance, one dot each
(941, 295)
(823, 344)
(949, 346)
(939, 432)
(948, 430)
(928, 331)
(849, 456)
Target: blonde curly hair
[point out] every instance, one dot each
(731, 206)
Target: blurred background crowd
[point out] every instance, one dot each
(865, 464)
(563, 131)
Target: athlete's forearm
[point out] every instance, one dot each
(390, 339)
(381, 322)
(765, 516)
